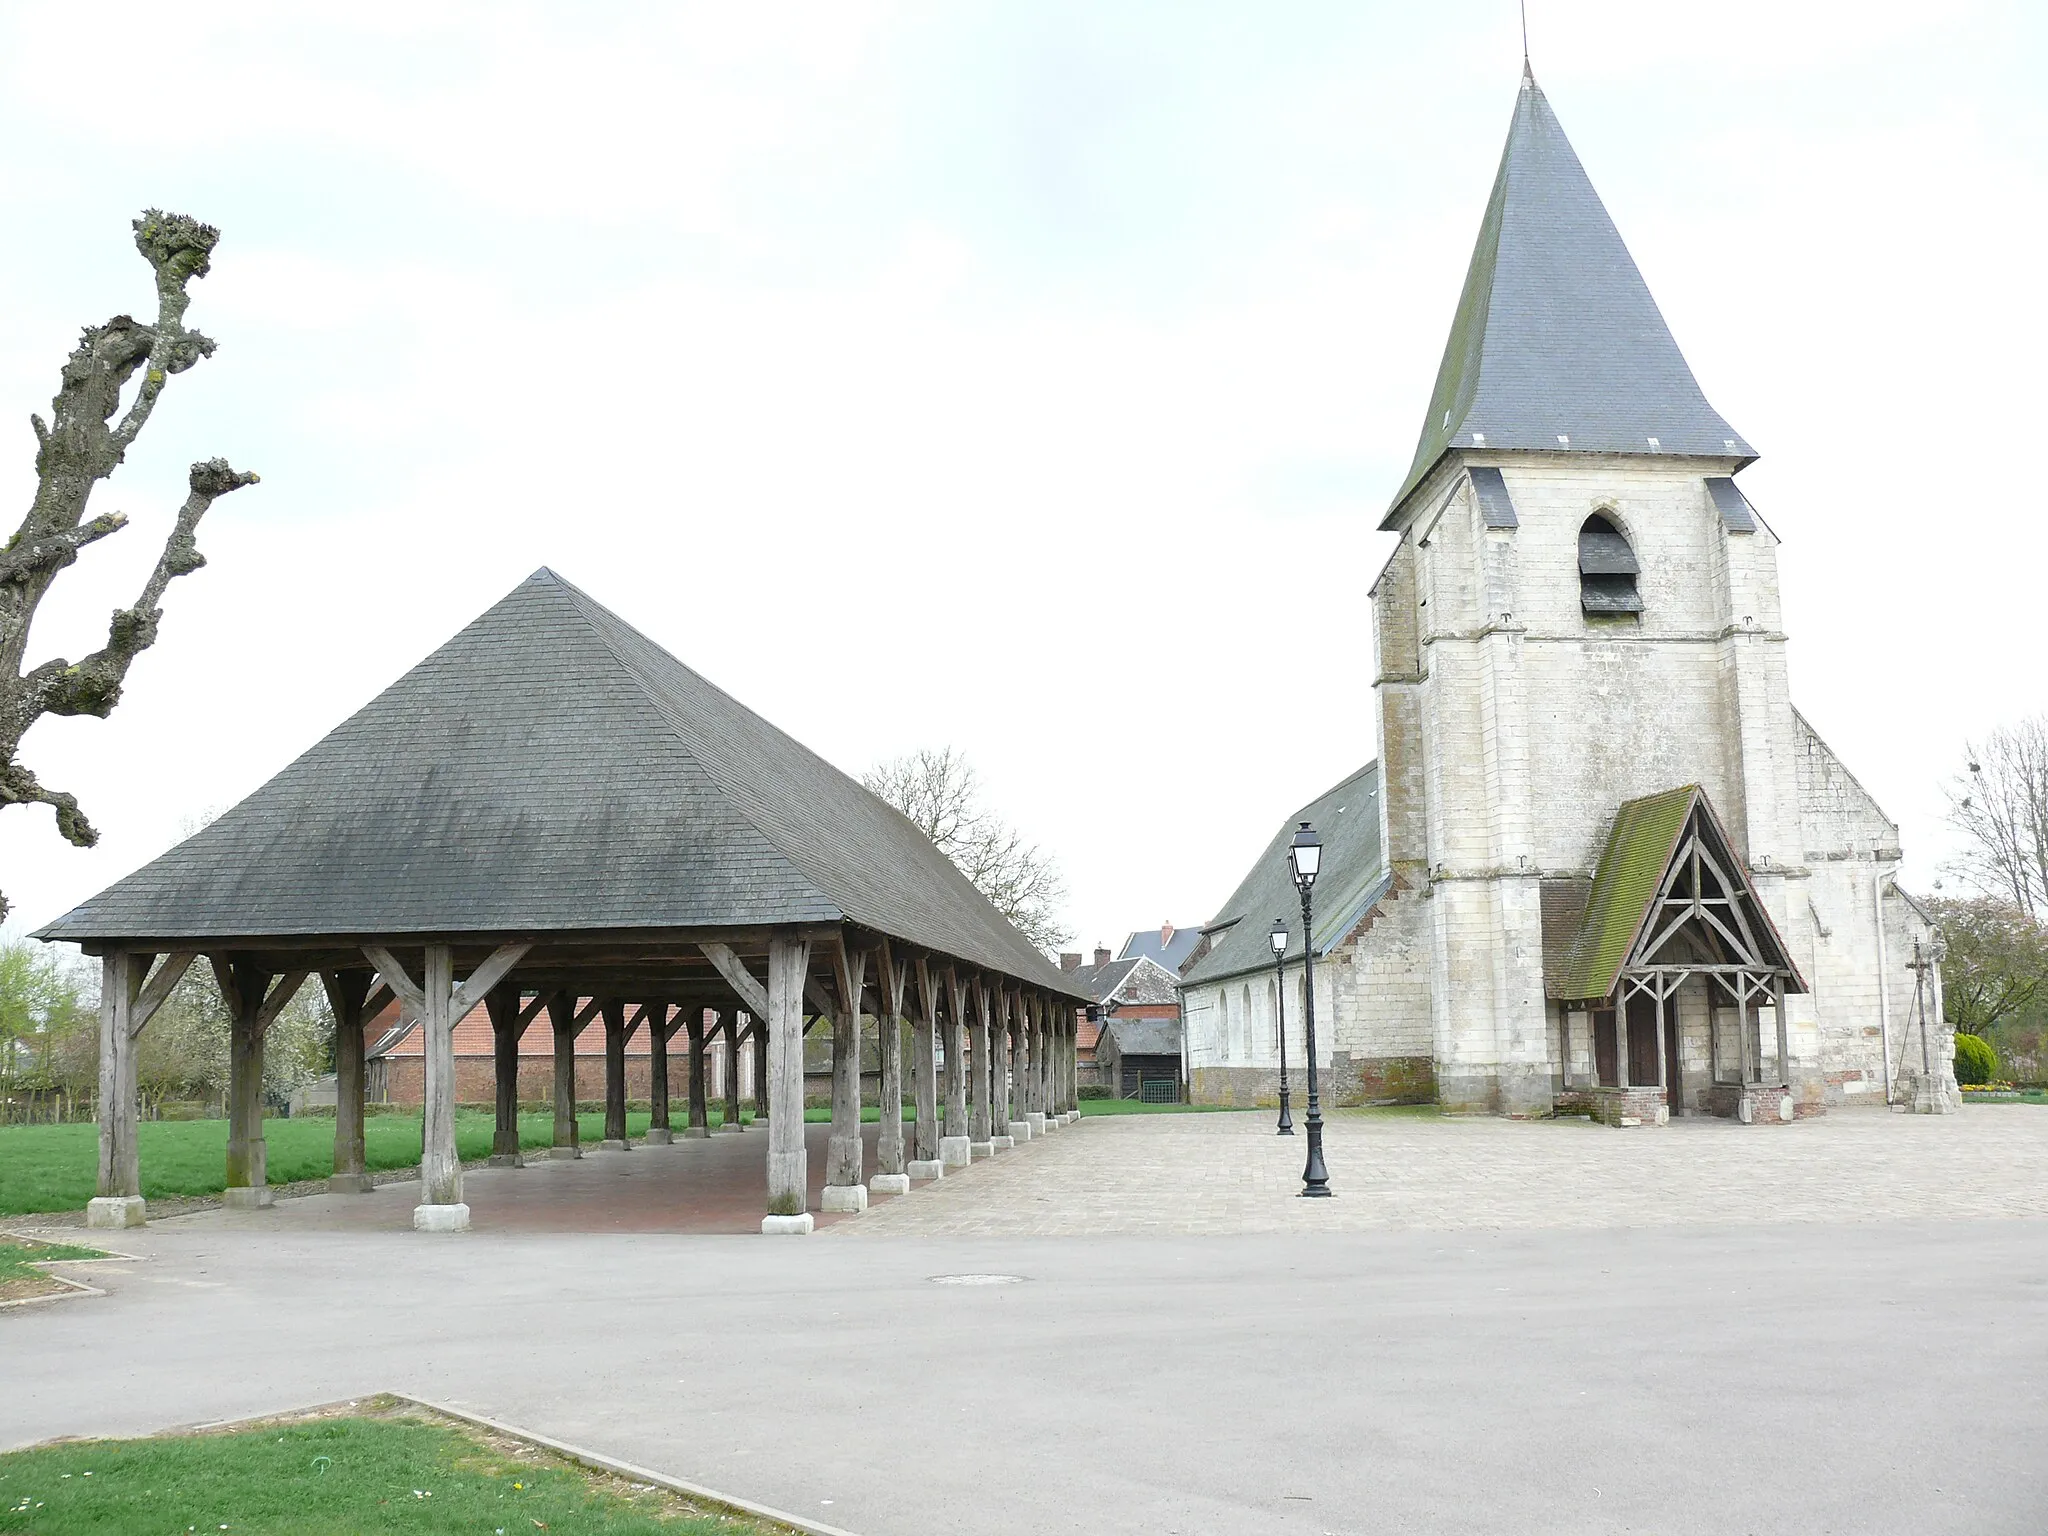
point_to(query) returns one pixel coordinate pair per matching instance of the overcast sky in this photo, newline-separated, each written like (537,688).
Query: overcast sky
(1029,378)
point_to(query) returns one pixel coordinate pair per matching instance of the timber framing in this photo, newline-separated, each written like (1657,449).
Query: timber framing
(740,876)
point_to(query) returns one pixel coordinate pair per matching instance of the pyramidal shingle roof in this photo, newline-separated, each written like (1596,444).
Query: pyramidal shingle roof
(550,768)
(1556,335)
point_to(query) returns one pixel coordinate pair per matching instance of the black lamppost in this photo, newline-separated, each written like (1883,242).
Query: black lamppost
(1279,942)
(1305,855)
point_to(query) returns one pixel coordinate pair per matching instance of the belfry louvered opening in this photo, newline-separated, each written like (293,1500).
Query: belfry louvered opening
(1607,570)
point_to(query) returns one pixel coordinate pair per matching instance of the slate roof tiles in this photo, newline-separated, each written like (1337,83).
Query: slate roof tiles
(550,768)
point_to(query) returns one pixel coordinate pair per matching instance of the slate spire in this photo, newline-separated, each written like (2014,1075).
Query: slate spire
(1557,344)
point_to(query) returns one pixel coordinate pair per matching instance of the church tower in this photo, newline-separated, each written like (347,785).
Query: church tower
(1582,610)
(1601,861)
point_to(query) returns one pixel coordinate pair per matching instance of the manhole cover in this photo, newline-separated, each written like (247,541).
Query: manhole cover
(977,1279)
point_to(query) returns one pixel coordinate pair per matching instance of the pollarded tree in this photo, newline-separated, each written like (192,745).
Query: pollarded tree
(81,445)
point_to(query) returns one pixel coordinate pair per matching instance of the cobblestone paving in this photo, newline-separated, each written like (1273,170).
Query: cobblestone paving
(1228,1173)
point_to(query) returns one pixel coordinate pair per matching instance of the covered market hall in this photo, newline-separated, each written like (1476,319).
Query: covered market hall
(455,844)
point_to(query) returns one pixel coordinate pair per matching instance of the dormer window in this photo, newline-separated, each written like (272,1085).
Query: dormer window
(1607,570)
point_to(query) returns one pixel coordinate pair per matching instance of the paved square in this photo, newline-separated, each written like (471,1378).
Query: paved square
(1701,1329)
(1227,1173)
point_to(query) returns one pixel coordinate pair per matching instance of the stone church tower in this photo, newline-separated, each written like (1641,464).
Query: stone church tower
(1600,861)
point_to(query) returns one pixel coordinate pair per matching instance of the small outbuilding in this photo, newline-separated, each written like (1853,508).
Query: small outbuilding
(1140,1059)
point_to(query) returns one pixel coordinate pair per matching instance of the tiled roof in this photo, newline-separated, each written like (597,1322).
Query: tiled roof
(1144,1037)
(1171,953)
(551,769)
(1639,849)
(1353,876)
(1557,344)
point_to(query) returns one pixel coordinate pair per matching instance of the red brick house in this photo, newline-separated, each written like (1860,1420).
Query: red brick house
(1134,988)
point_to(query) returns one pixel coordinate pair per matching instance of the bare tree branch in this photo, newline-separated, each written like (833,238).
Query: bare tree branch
(75,450)
(2000,805)
(941,793)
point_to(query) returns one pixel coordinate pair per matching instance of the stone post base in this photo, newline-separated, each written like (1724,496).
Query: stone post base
(565,1154)
(953,1151)
(1037,1122)
(733,1125)
(659,1136)
(981,1149)
(1020,1130)
(360,1184)
(889,1184)
(110,1213)
(844,1197)
(926,1168)
(440,1218)
(698,1132)
(1073,1115)
(614,1146)
(251,1197)
(1052,1122)
(787,1226)
(498,1160)
(1002,1143)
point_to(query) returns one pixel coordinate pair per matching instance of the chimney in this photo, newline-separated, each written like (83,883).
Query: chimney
(1165,934)
(1070,962)
(1101,955)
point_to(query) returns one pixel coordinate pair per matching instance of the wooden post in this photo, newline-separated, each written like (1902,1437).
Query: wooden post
(731,1120)
(891,976)
(502,1004)
(1664,1068)
(119,1202)
(700,1108)
(126,1005)
(997,1008)
(789,961)
(614,1012)
(658,1030)
(759,1035)
(925,1079)
(844,1190)
(241,989)
(956,1138)
(440,1207)
(1621,1053)
(1784,1032)
(562,1016)
(347,992)
(978,1118)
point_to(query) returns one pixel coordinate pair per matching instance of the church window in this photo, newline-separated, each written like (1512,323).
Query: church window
(1607,570)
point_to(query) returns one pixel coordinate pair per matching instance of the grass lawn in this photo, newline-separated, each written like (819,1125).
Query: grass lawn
(55,1167)
(19,1278)
(378,1469)
(1134,1107)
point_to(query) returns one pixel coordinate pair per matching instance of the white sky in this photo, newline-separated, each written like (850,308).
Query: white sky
(1025,377)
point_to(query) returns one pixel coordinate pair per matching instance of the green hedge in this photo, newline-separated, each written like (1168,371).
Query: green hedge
(1976,1061)
(1092,1091)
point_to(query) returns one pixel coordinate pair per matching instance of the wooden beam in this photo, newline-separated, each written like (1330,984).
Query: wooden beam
(281,994)
(470,992)
(411,995)
(168,974)
(738,977)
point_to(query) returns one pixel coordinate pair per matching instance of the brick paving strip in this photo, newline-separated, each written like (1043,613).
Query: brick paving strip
(1228,1174)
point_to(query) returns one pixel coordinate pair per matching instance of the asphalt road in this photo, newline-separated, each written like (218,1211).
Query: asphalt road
(1808,1378)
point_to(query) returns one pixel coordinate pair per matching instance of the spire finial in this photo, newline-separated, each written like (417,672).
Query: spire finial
(1525,41)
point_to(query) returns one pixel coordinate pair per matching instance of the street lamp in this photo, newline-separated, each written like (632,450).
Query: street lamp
(1305,857)
(1278,938)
